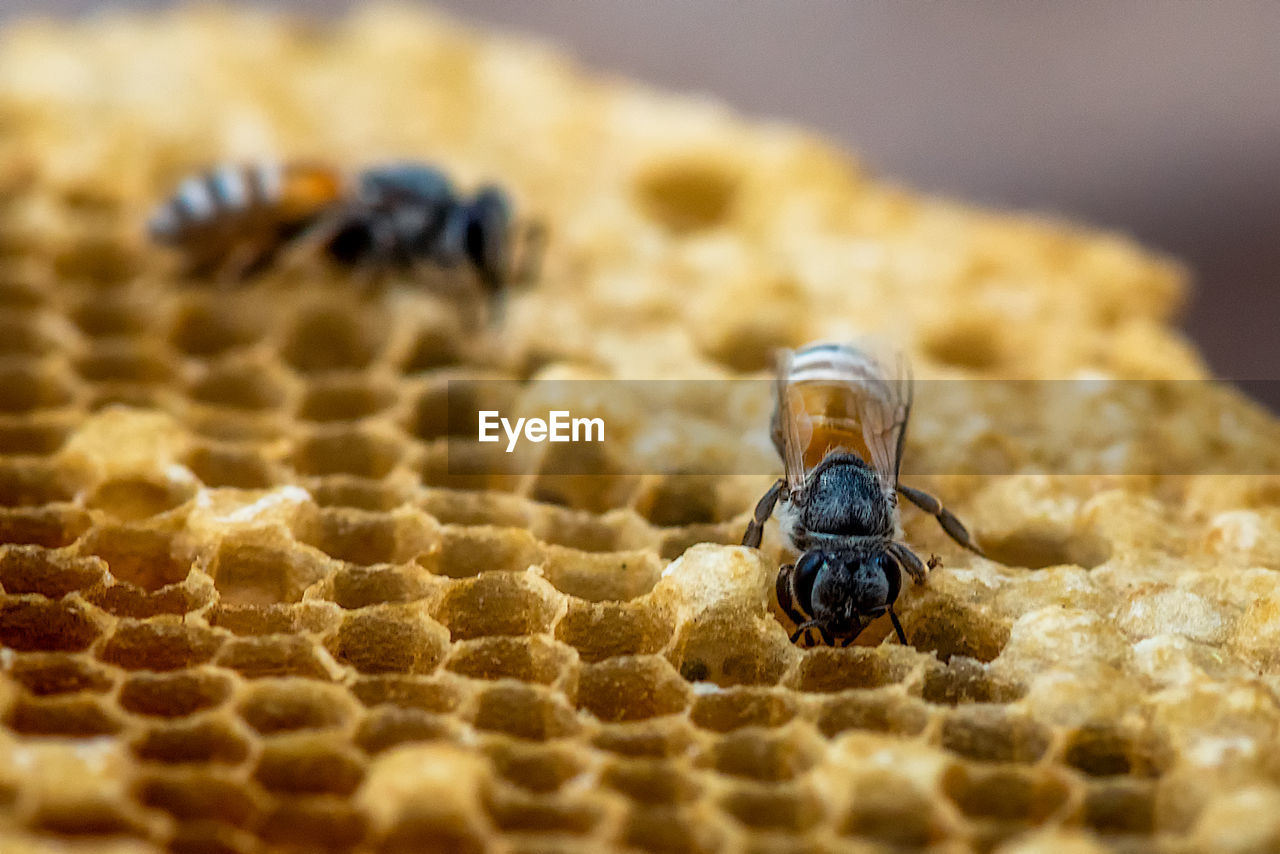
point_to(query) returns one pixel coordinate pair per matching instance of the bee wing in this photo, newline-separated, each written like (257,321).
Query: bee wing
(884,405)
(791,428)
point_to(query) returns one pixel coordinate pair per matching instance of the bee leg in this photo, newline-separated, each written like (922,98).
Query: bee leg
(764,509)
(785,600)
(897,627)
(826,636)
(909,562)
(954,528)
(803,629)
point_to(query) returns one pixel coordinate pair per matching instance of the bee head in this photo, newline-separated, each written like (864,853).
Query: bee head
(843,585)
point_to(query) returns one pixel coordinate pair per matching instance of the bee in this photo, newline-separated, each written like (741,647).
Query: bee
(839,423)
(235,220)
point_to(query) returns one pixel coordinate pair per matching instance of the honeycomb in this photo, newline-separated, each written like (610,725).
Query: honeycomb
(252,602)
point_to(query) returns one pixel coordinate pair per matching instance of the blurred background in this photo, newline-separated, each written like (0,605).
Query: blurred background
(1159,118)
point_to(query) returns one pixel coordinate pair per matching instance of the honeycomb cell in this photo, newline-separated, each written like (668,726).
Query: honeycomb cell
(358,493)
(680,501)
(246,573)
(324,339)
(360,586)
(829,669)
(463,465)
(883,710)
(1040,548)
(963,680)
(28,388)
(145,558)
(947,627)
(191,795)
(535,767)
(137,499)
(44,673)
(272,706)
(524,711)
(346,451)
(411,692)
(364,538)
(48,527)
(664,828)
(608,629)
(991,734)
(687,193)
(389,726)
(126,600)
(734,708)
(22,334)
(435,346)
(110,317)
(515,811)
(344,399)
(534,659)
(73,716)
(273,619)
(602,577)
(32,569)
(893,812)
(651,781)
(226,466)
(161,646)
(309,764)
(1005,793)
(583,532)
(274,655)
(783,809)
(458,507)
(769,756)
(1102,750)
(499,603)
(447,405)
(33,623)
(390,639)
(1120,806)
(205,328)
(632,688)
(653,739)
(33,437)
(313,823)
(174,695)
(242,387)
(123,362)
(463,552)
(100,260)
(198,740)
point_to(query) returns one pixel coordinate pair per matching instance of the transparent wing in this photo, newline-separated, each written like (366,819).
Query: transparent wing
(884,405)
(787,431)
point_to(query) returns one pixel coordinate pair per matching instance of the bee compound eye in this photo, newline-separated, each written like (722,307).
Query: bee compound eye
(806,575)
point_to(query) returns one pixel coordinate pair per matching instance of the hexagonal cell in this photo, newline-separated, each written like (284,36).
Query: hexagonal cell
(174,695)
(789,809)
(74,716)
(515,811)
(721,647)
(447,406)
(87,817)
(602,576)
(828,669)
(101,260)
(309,764)
(532,659)
(328,338)
(389,726)
(657,738)
(364,538)
(676,541)
(45,673)
(1005,793)
(534,767)
(458,507)
(145,558)
(135,499)
(48,527)
(949,627)
(734,708)
(883,710)
(679,500)
(632,688)
(123,599)
(241,427)
(609,629)
(499,603)
(250,620)
(346,451)
(313,823)
(360,586)
(1120,806)
(32,624)
(204,739)
(226,466)
(892,811)
(191,795)
(245,387)
(34,483)
(991,734)
(651,781)
(23,334)
(246,573)
(345,399)
(584,532)
(390,639)
(272,706)
(107,317)
(686,193)
(664,828)
(210,327)
(525,711)
(27,388)
(33,569)
(33,436)
(765,755)
(463,552)
(358,493)
(1041,547)
(412,692)
(963,680)
(1105,750)
(161,646)
(273,655)
(123,362)
(596,485)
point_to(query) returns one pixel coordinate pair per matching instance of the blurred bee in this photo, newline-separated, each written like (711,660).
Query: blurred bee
(839,424)
(236,220)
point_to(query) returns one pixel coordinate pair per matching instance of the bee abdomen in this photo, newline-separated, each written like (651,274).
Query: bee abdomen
(213,198)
